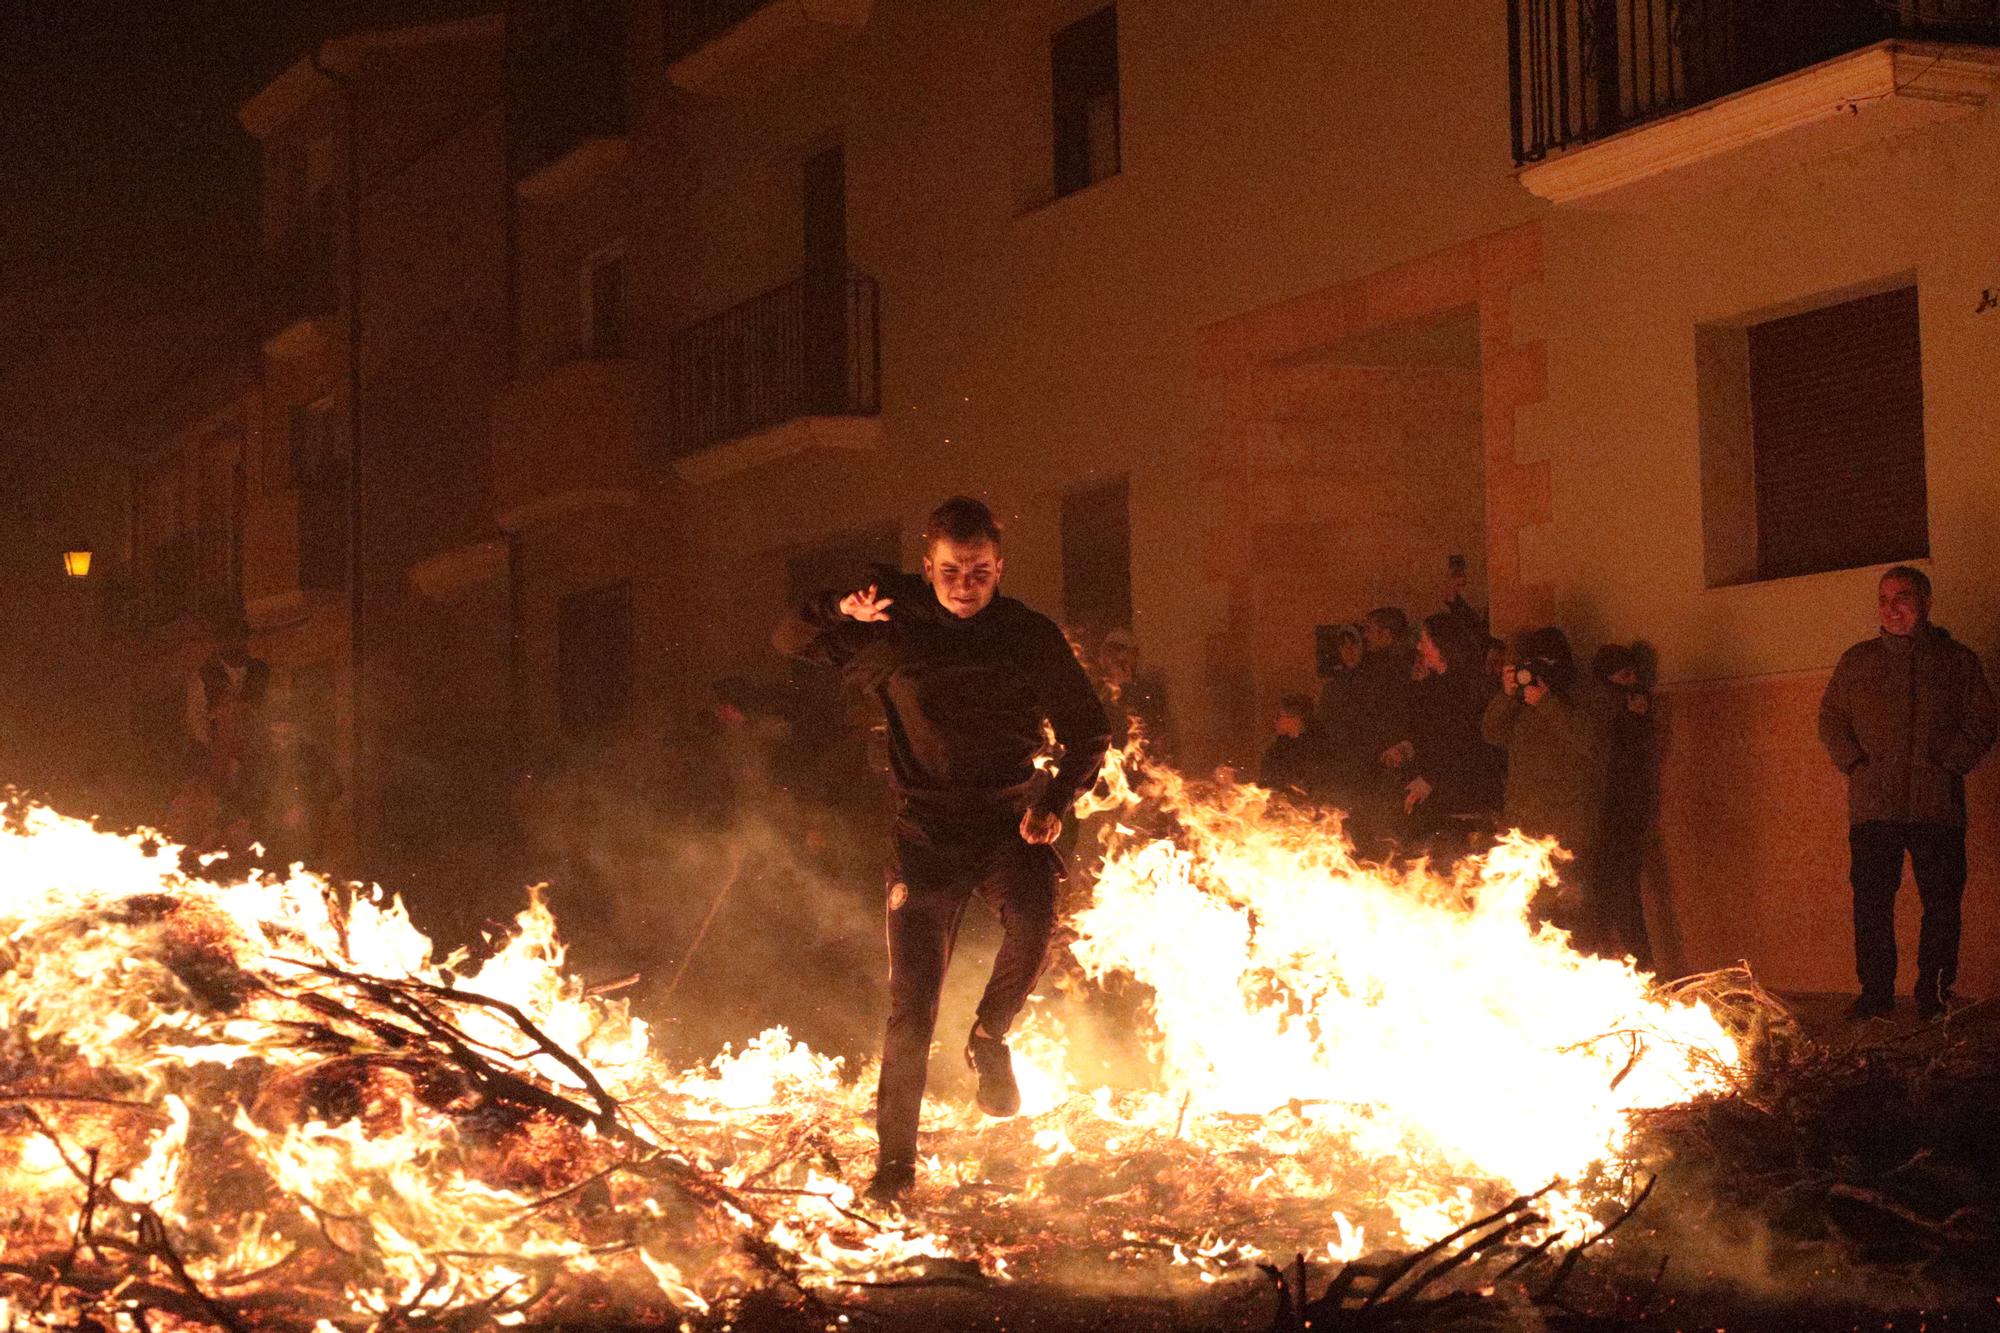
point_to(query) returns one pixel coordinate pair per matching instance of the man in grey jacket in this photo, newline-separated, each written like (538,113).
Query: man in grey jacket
(1906,716)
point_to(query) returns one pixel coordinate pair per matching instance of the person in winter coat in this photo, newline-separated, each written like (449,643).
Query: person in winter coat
(1555,766)
(1630,783)
(1339,704)
(1371,757)
(1454,777)
(1907,714)
(1298,763)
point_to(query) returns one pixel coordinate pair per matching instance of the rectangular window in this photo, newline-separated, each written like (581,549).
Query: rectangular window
(1083,65)
(1837,432)
(604,304)
(594,659)
(1812,440)
(1097,558)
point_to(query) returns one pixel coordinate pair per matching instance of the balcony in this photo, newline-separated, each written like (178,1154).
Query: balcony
(301,297)
(722,46)
(796,368)
(565,440)
(1614,99)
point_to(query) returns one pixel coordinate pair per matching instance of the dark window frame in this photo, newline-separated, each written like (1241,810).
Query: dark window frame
(1084,74)
(1837,436)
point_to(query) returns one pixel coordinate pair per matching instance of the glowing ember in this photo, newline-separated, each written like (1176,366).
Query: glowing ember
(270,1101)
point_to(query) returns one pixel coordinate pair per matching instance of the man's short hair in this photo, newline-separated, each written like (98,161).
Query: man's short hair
(1295,705)
(1916,578)
(1390,620)
(961,519)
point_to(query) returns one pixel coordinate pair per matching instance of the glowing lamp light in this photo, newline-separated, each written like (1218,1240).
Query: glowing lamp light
(76,563)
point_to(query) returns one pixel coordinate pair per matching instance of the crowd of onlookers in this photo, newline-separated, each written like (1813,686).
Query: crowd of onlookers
(1427,737)
(1433,737)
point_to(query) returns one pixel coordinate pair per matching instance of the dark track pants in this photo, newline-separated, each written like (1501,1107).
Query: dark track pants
(928,893)
(1937,858)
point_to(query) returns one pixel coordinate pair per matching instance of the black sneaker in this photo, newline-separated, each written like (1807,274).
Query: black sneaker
(1867,1006)
(892,1180)
(989,1057)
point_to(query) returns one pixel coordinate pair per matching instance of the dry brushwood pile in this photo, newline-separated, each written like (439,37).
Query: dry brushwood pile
(1867,1163)
(259,1102)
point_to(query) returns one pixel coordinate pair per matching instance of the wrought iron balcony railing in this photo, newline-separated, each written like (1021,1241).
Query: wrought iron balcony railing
(693,24)
(1584,69)
(812,347)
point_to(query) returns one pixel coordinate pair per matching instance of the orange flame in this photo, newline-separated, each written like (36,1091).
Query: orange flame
(279,1087)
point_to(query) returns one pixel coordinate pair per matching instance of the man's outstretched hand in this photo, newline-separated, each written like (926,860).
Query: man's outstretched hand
(1040,827)
(866,606)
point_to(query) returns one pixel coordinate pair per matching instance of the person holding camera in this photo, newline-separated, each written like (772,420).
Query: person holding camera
(1555,768)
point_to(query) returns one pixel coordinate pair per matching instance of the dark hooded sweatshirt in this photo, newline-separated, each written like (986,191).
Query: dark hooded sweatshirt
(965,701)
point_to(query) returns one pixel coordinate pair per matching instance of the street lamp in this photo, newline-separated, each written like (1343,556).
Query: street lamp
(76,563)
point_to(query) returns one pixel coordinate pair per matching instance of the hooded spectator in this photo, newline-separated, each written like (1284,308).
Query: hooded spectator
(1627,711)
(1555,766)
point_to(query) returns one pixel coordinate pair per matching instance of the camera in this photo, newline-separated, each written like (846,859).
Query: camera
(1529,673)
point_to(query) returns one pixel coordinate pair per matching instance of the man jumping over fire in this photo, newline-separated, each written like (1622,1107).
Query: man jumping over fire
(967,679)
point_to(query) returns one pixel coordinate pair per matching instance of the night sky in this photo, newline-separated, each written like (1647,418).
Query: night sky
(127,215)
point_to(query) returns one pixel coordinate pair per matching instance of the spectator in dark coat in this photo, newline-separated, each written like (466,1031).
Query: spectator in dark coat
(1339,692)
(1555,766)
(1906,716)
(1298,762)
(1629,799)
(1455,777)
(1370,752)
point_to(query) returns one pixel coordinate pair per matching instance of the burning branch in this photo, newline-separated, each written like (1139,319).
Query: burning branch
(1389,1294)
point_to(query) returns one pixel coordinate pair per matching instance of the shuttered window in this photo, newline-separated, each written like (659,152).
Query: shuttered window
(1837,434)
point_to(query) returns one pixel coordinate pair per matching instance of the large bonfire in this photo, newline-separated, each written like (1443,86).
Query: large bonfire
(230,1101)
